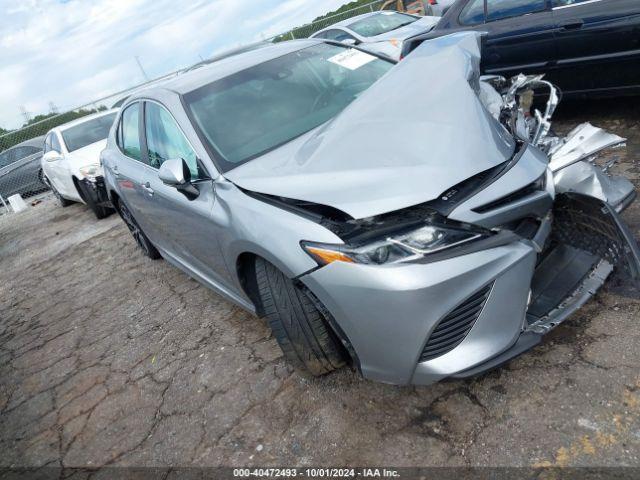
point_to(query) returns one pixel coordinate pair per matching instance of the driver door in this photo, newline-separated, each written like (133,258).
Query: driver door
(185,224)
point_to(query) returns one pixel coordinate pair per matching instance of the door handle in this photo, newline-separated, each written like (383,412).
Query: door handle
(572,25)
(147,188)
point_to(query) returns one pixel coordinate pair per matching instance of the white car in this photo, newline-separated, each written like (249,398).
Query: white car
(379,32)
(71,161)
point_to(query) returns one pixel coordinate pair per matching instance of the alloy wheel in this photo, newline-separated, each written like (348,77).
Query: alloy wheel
(133,228)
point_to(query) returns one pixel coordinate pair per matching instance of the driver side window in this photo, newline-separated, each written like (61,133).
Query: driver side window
(165,140)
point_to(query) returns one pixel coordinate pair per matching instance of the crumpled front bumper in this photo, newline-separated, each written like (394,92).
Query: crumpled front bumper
(387,314)
(97,190)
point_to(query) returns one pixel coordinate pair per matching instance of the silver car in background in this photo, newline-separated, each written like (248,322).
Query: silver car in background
(413,237)
(379,32)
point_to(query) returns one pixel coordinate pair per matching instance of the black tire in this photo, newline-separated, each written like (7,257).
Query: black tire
(299,327)
(99,211)
(141,239)
(63,201)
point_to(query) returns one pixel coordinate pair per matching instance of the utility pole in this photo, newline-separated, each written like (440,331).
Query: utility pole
(144,74)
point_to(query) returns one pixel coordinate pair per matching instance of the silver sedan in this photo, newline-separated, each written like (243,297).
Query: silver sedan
(412,237)
(379,32)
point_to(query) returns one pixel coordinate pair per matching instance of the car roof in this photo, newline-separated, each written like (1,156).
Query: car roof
(33,142)
(86,118)
(199,77)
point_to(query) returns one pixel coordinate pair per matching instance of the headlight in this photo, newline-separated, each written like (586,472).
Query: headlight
(91,171)
(403,246)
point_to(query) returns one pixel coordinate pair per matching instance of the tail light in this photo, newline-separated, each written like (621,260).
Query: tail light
(433,2)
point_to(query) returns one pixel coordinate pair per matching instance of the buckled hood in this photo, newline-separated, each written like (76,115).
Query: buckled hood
(415,133)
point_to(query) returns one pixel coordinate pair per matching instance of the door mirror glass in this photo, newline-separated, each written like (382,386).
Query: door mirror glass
(172,172)
(51,156)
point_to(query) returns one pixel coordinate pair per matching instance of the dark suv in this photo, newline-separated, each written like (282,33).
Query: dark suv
(583,46)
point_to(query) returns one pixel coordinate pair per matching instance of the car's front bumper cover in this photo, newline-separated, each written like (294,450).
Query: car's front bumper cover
(387,314)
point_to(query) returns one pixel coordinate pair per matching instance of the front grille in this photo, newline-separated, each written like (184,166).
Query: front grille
(453,328)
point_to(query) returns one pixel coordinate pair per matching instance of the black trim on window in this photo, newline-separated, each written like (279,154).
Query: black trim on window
(142,134)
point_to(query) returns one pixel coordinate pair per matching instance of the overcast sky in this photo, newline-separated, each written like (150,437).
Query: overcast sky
(70,52)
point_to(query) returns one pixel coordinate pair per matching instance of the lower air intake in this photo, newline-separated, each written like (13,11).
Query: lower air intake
(455,326)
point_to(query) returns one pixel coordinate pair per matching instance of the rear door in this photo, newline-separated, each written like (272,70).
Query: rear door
(598,45)
(130,169)
(520,35)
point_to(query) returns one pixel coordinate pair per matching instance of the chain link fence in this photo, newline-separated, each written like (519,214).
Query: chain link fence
(21,150)
(309,29)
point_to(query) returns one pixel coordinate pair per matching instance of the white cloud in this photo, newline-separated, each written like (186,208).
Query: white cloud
(72,52)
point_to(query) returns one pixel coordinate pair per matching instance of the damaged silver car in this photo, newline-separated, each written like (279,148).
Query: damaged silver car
(415,237)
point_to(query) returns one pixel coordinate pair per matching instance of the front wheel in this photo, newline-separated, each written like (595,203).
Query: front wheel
(299,327)
(141,239)
(63,201)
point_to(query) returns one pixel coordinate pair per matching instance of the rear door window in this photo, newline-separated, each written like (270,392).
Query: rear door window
(130,134)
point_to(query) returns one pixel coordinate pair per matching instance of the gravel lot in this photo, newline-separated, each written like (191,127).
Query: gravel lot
(108,358)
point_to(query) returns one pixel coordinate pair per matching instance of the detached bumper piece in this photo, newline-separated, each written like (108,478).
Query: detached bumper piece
(588,241)
(97,190)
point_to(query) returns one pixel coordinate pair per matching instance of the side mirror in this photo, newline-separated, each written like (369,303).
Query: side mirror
(51,156)
(172,172)
(350,41)
(175,173)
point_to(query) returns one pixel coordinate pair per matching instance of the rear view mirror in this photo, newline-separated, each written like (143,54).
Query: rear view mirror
(52,156)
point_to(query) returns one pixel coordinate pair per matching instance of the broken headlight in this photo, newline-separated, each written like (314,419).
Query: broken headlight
(410,244)
(91,171)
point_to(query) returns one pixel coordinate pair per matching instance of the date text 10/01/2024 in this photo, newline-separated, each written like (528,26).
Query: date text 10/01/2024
(316,472)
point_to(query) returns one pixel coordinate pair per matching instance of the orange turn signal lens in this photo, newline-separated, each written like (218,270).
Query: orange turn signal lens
(325,257)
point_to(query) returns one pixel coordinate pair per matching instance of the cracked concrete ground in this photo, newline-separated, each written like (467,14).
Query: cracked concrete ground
(108,358)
